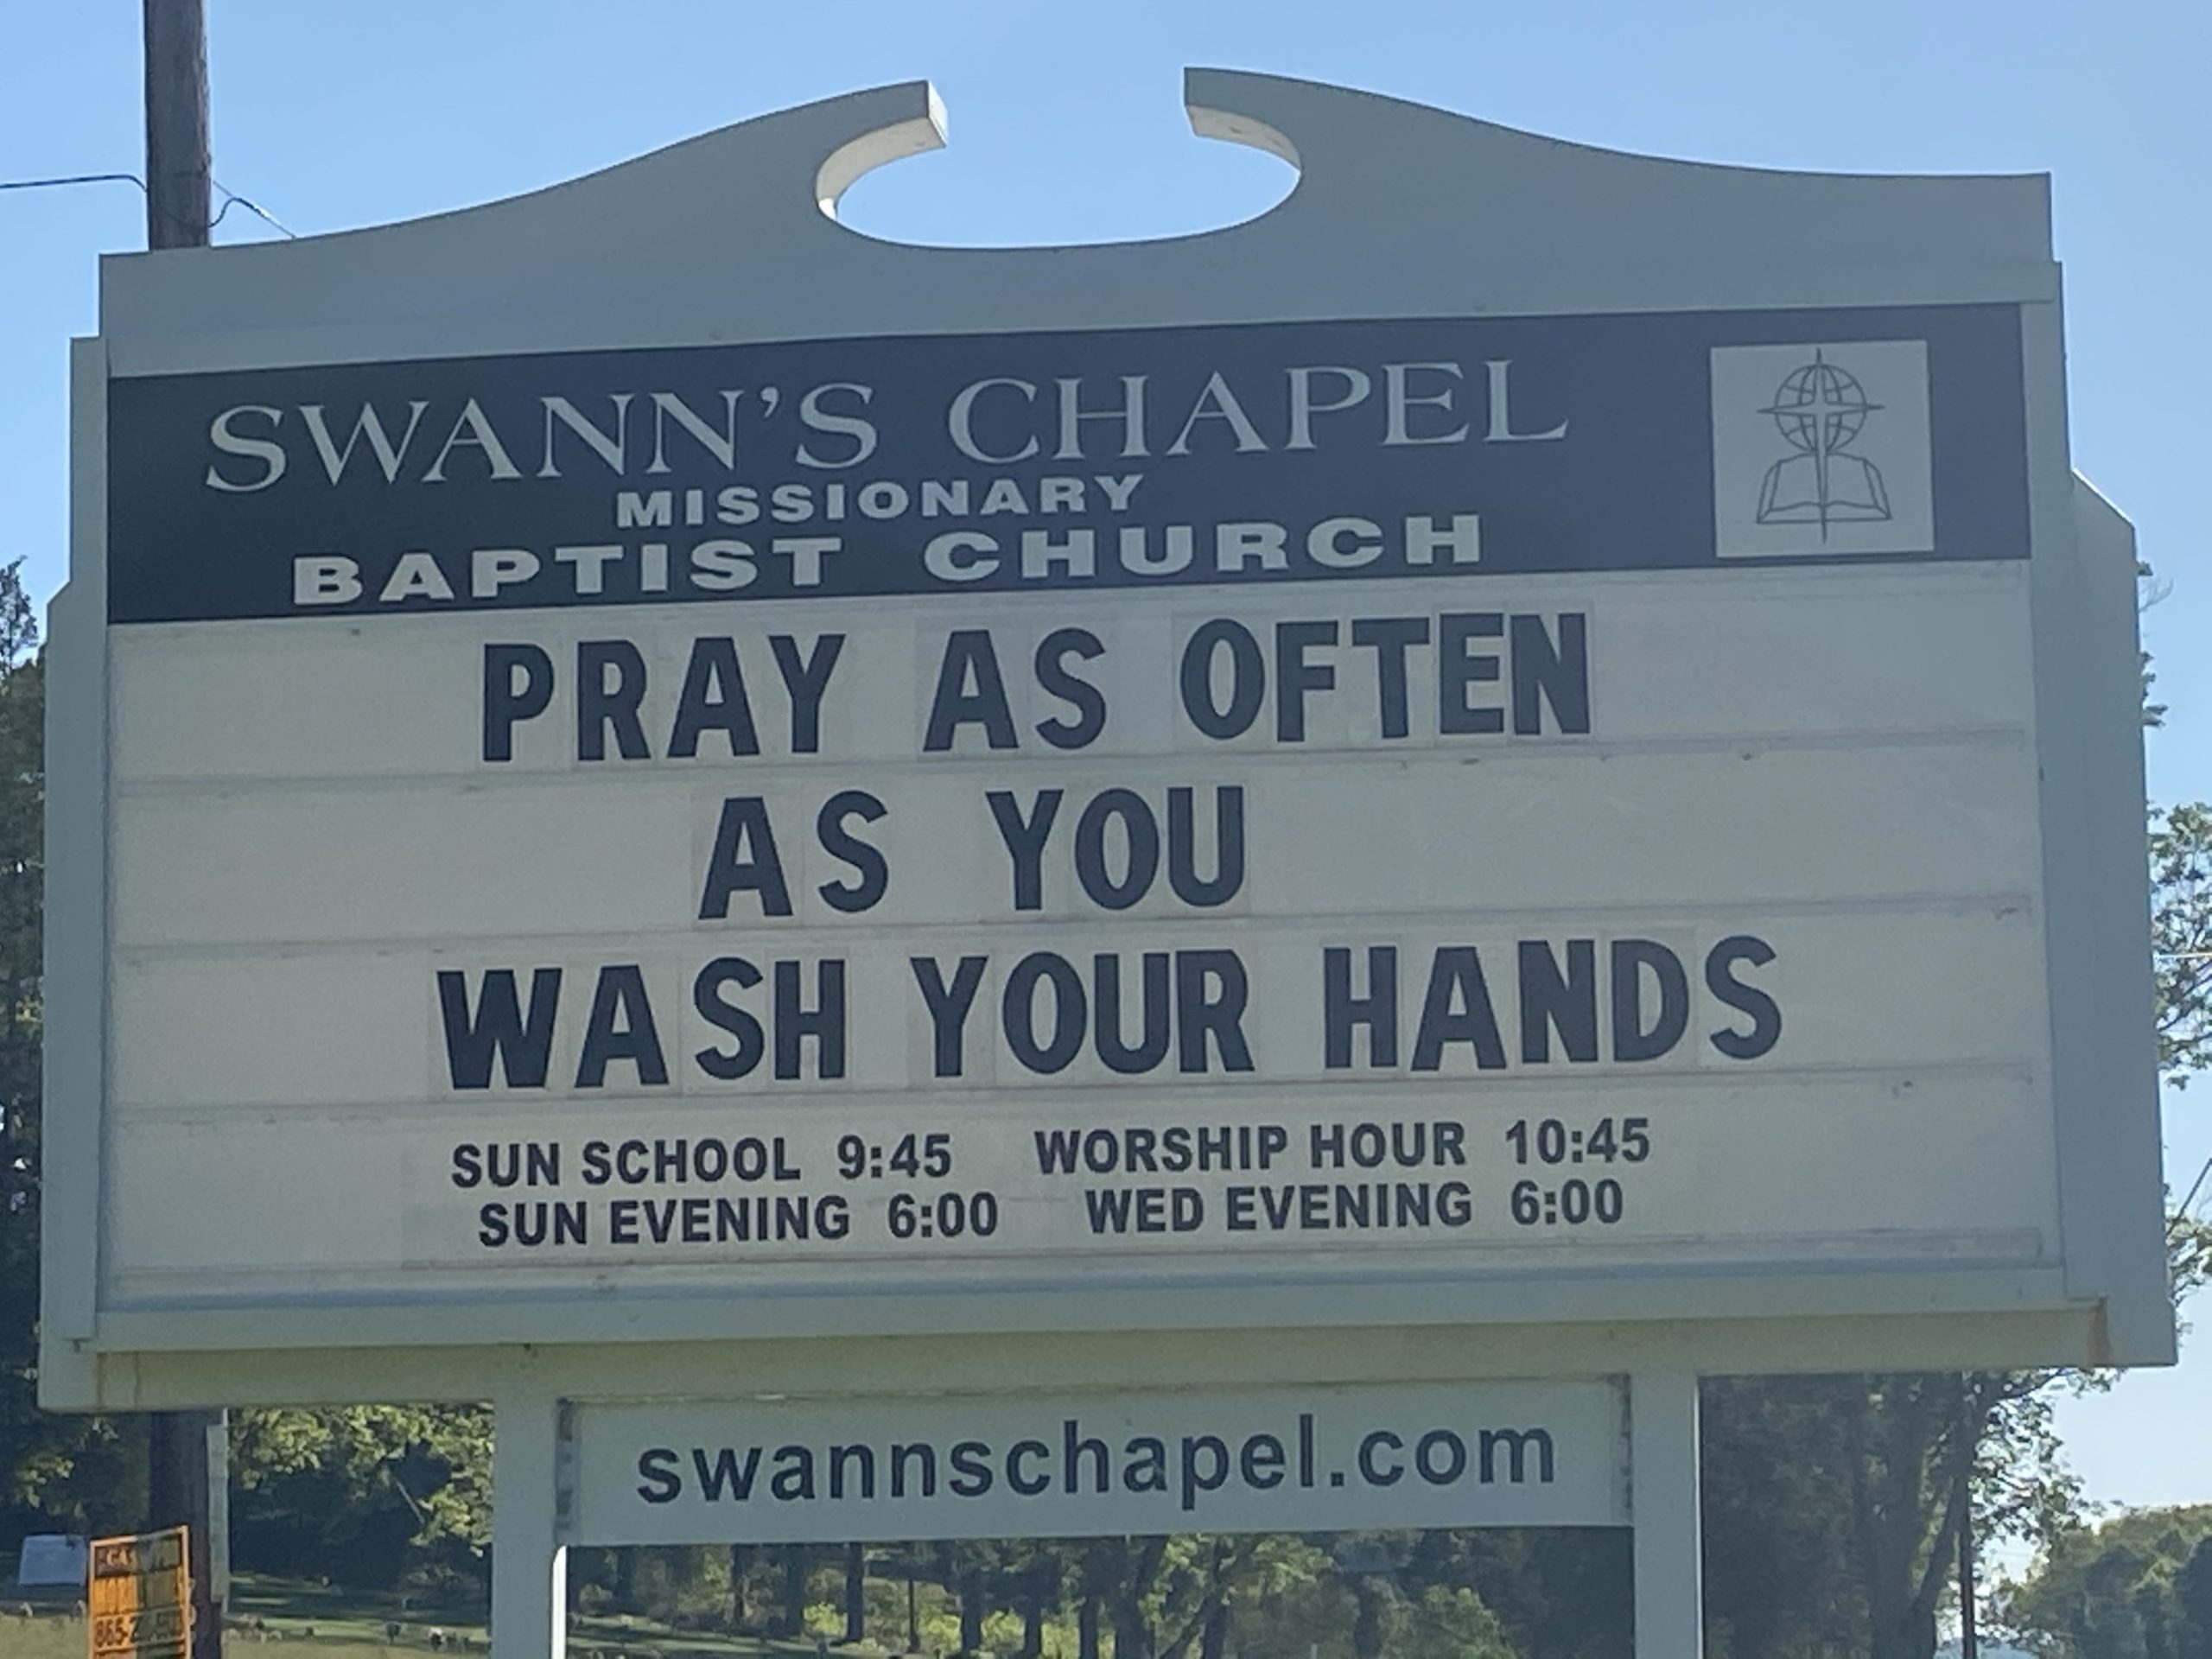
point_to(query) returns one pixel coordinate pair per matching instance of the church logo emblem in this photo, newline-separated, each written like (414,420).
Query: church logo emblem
(1821,449)
(1821,410)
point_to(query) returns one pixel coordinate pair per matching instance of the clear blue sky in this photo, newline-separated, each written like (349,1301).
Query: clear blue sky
(1066,125)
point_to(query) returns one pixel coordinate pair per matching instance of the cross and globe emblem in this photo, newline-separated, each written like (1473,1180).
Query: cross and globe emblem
(1820,410)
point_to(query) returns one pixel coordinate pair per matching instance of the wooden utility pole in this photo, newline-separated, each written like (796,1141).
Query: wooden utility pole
(185,1453)
(183,1467)
(179,189)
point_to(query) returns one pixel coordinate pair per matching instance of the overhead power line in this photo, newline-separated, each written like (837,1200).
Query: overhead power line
(231,197)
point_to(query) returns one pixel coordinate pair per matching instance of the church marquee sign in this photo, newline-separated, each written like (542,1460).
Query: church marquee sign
(618,815)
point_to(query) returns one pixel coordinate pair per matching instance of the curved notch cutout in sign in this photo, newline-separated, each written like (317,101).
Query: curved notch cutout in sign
(1229,181)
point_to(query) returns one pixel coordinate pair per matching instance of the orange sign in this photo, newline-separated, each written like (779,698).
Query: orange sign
(142,1597)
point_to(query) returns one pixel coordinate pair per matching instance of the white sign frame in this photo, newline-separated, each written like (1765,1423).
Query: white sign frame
(644,266)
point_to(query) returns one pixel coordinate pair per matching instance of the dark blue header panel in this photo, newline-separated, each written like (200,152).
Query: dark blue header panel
(1038,462)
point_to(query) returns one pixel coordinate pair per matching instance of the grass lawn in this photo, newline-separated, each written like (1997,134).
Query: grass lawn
(63,1637)
(42,1638)
(302,1621)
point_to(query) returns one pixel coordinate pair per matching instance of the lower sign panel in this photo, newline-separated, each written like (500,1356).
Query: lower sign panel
(1520,1454)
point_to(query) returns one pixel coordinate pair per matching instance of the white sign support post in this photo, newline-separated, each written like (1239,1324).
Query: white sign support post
(530,1559)
(1512,771)
(1665,1496)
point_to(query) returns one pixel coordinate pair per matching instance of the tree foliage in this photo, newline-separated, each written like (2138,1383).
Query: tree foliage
(1833,1503)
(2140,1587)
(2181,923)
(373,1495)
(75,1472)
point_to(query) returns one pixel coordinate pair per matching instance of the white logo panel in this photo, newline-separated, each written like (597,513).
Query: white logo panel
(1821,449)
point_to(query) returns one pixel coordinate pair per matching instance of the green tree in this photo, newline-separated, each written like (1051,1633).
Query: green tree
(369,1496)
(1448,1623)
(2193,1603)
(78,1474)
(2128,1589)
(2181,928)
(1209,1580)
(1779,1552)
(1557,1593)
